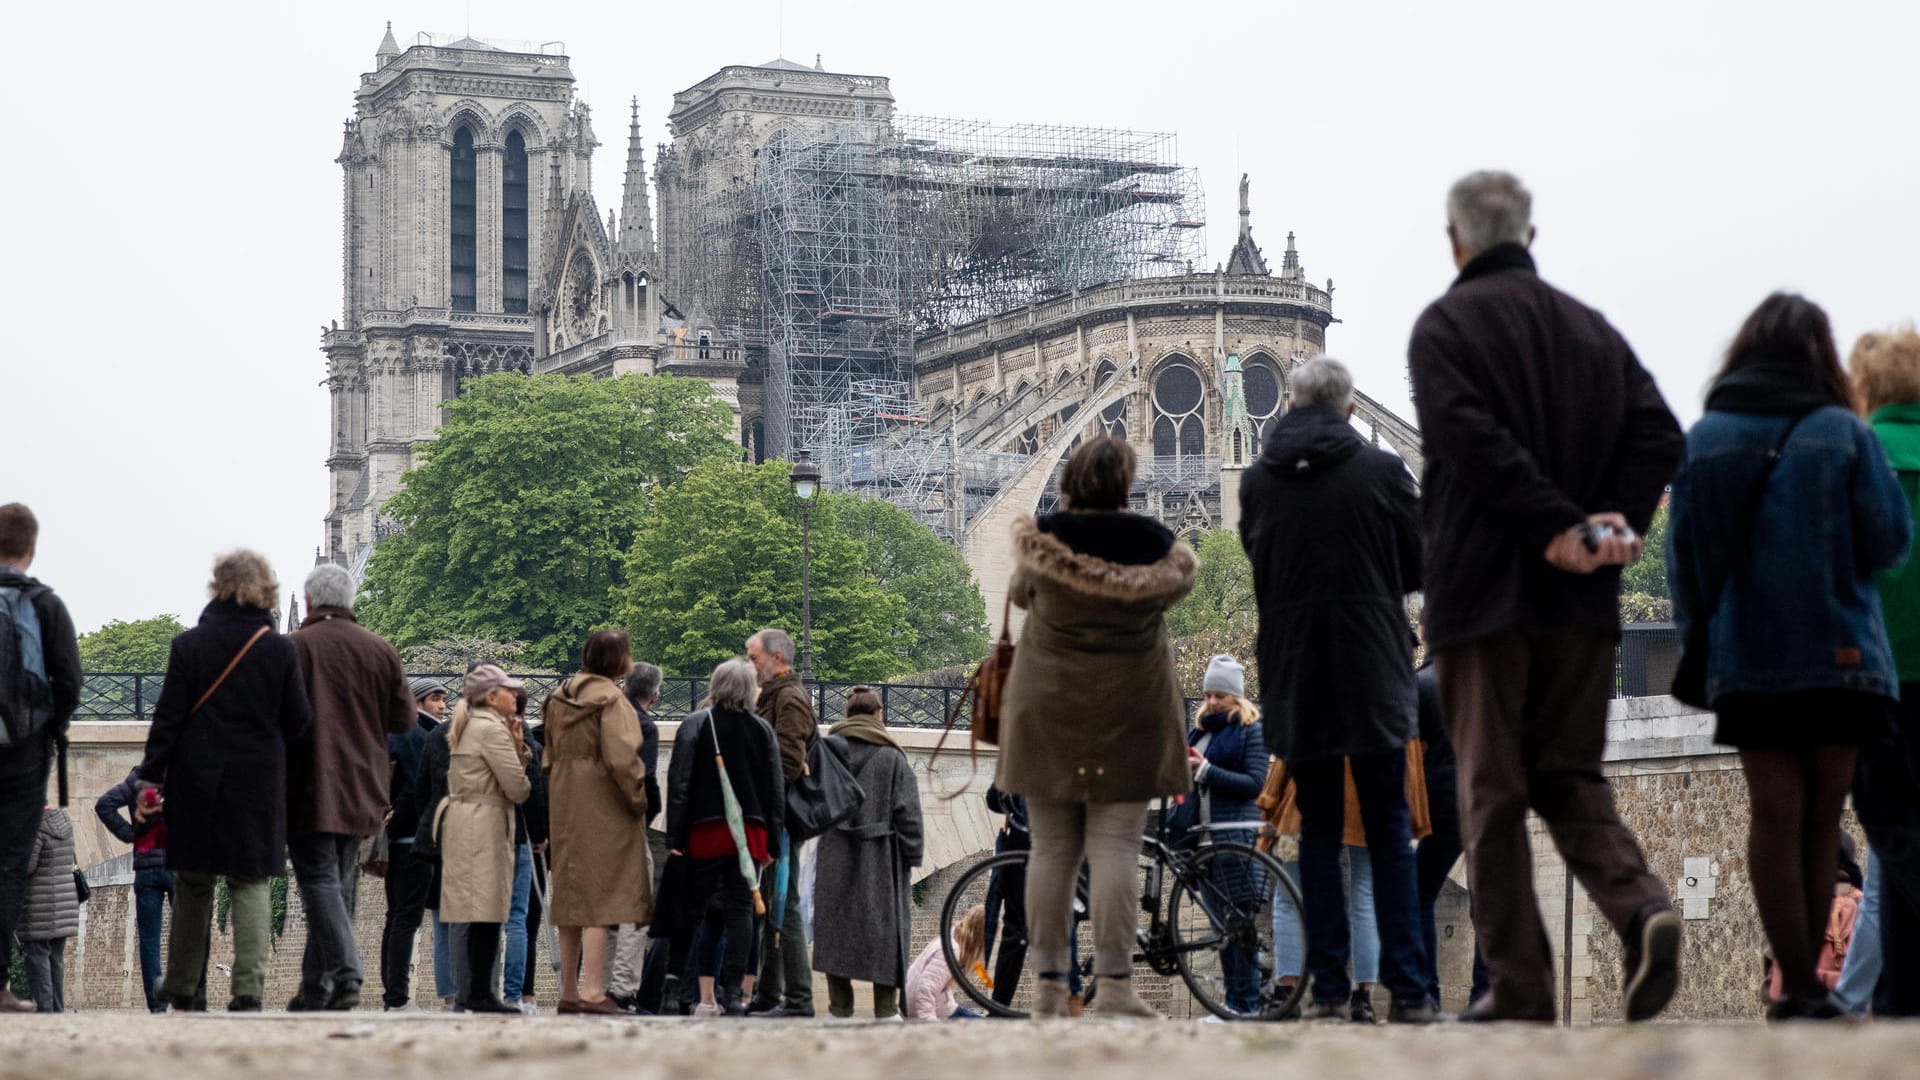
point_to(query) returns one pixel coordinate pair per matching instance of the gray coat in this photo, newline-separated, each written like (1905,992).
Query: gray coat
(53,907)
(863,889)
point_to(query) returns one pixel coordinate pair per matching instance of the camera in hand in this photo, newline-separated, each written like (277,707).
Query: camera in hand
(1591,535)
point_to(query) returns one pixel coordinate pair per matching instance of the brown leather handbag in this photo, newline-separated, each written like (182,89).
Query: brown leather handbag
(982,695)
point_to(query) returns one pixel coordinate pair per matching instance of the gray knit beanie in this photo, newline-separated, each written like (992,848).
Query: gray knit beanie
(423,685)
(1225,675)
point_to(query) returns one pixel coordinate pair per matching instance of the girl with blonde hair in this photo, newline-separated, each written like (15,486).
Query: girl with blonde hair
(930,982)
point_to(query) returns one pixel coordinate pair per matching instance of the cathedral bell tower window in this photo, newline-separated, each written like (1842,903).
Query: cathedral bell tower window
(465,260)
(513,226)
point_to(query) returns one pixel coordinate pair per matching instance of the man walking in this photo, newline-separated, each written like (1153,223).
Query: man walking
(1329,525)
(39,689)
(337,791)
(1547,448)
(409,877)
(785,988)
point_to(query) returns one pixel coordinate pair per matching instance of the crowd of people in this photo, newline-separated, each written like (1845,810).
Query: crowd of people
(1547,447)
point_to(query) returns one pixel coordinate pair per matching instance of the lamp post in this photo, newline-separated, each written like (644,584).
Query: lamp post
(806,482)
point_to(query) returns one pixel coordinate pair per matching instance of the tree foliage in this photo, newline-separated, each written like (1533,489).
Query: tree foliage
(718,557)
(138,646)
(946,615)
(1219,615)
(1647,575)
(519,517)
(449,655)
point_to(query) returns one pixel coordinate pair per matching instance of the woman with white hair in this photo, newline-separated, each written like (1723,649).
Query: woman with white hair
(216,768)
(725,734)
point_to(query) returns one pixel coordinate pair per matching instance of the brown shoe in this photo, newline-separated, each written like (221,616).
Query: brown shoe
(9,1003)
(603,1007)
(568,1007)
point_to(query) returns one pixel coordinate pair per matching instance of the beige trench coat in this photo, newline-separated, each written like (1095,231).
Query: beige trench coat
(486,779)
(596,806)
(1093,712)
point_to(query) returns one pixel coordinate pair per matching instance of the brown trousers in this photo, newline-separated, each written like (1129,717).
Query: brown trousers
(1527,713)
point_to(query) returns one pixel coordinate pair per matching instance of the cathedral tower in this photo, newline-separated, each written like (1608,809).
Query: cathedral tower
(446,164)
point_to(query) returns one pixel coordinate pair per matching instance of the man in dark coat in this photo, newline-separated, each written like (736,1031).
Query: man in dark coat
(409,877)
(1329,524)
(785,988)
(1547,448)
(339,787)
(24,766)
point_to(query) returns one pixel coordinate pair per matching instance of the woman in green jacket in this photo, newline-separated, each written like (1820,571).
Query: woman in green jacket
(1886,378)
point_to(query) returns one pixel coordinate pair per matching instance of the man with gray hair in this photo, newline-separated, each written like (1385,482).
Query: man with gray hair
(1329,526)
(1547,448)
(785,988)
(338,784)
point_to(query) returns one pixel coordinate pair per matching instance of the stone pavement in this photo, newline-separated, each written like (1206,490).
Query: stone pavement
(118,1046)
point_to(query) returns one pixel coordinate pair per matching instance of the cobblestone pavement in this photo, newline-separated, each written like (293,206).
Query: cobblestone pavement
(215,1047)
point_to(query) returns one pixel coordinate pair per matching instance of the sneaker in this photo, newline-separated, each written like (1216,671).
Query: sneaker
(1652,963)
(708,1010)
(528,1007)
(244,1003)
(407,1007)
(491,1005)
(302,1003)
(1360,1008)
(345,999)
(1413,1012)
(780,1012)
(9,1003)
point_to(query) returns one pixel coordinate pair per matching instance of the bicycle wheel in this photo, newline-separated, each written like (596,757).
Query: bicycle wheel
(1220,918)
(986,883)
(1000,983)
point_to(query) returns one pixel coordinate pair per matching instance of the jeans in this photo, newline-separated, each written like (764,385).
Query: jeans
(1380,782)
(23,793)
(251,917)
(516,961)
(408,885)
(1107,837)
(152,889)
(534,913)
(47,972)
(1290,952)
(444,985)
(1861,972)
(327,868)
(786,976)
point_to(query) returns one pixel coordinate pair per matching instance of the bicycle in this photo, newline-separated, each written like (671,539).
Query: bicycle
(1215,929)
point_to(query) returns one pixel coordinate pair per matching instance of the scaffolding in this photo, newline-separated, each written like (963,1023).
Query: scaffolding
(851,243)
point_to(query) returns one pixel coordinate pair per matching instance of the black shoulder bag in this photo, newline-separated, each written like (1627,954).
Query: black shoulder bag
(825,793)
(1690,676)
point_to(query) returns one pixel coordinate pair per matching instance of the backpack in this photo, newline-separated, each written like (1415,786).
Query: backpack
(26,698)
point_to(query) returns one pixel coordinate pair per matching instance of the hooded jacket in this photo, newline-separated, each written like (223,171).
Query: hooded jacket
(53,905)
(1898,429)
(596,806)
(1330,525)
(1092,711)
(149,838)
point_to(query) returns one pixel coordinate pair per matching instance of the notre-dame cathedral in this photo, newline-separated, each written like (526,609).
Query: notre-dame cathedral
(936,310)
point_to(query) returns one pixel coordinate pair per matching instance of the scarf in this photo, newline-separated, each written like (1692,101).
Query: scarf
(866,728)
(1214,723)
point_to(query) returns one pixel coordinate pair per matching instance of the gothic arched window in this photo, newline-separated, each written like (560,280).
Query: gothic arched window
(1113,418)
(1265,393)
(465,255)
(513,226)
(1179,431)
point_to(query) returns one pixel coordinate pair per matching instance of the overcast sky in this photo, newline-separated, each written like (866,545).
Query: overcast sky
(174,209)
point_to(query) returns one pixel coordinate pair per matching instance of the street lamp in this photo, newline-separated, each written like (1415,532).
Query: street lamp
(806,482)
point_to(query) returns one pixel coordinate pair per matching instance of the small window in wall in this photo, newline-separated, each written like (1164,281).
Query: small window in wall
(513,226)
(465,261)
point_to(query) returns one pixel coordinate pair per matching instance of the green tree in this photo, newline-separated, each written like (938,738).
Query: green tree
(717,558)
(138,646)
(450,655)
(1647,575)
(519,516)
(945,611)
(1222,596)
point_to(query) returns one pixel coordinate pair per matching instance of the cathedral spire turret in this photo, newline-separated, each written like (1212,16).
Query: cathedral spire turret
(389,49)
(1290,262)
(635,244)
(1246,258)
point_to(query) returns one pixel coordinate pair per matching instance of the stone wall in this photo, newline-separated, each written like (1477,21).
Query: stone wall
(1682,795)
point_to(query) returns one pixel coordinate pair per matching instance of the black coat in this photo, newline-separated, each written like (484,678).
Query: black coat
(753,765)
(225,767)
(1330,526)
(407,753)
(61,652)
(430,786)
(1534,413)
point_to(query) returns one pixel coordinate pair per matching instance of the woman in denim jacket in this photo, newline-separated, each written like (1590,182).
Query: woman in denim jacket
(1799,673)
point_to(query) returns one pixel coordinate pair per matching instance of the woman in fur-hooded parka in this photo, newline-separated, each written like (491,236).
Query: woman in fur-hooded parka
(1093,712)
